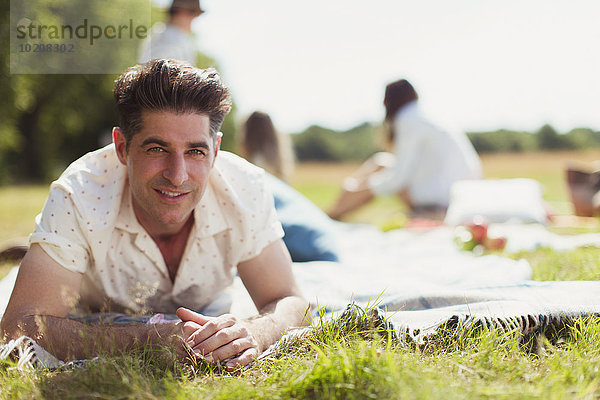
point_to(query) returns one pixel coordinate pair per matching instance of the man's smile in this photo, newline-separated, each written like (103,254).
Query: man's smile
(171,195)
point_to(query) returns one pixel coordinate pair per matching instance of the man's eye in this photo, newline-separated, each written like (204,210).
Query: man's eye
(197,152)
(155,150)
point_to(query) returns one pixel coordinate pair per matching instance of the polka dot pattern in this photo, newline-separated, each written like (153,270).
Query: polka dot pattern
(91,228)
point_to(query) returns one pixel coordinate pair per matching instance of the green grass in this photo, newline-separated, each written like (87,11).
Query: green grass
(550,265)
(341,361)
(484,364)
(18,207)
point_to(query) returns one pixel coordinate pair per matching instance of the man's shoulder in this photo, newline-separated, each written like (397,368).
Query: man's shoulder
(94,182)
(231,166)
(238,200)
(99,167)
(235,176)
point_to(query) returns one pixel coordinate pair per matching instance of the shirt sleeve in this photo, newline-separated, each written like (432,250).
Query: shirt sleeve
(407,144)
(266,228)
(58,232)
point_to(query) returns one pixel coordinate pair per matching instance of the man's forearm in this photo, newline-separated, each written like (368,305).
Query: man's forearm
(275,318)
(69,339)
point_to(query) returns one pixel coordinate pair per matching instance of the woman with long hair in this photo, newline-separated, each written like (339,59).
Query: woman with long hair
(263,145)
(425,162)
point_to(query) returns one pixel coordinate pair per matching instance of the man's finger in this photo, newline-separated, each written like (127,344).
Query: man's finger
(189,328)
(213,335)
(186,314)
(233,348)
(244,359)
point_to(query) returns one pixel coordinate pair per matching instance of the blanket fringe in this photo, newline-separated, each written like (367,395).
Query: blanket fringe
(27,355)
(525,325)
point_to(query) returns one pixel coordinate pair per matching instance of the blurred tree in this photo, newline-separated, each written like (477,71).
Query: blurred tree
(314,144)
(49,120)
(502,141)
(582,138)
(9,136)
(322,144)
(549,139)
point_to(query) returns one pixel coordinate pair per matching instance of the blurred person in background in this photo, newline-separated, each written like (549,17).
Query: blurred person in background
(309,233)
(174,40)
(425,162)
(263,145)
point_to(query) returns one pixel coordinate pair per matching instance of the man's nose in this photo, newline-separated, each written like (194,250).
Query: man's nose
(176,170)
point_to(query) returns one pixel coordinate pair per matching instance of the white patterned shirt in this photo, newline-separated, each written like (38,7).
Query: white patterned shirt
(88,226)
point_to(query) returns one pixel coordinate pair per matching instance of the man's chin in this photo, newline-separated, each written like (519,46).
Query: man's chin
(178,219)
(171,221)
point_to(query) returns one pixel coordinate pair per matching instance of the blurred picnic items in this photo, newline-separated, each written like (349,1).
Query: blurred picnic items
(583,182)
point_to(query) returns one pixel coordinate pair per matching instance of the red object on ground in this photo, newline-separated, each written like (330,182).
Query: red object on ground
(497,243)
(478,231)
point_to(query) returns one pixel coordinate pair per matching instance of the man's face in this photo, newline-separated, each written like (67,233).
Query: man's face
(168,164)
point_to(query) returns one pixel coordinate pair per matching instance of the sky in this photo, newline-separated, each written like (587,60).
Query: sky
(477,65)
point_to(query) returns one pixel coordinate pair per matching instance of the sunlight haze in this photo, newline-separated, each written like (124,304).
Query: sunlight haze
(477,65)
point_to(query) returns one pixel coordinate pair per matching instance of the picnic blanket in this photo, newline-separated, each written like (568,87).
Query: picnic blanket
(420,281)
(410,263)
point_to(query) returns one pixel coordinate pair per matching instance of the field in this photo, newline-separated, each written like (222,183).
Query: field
(337,364)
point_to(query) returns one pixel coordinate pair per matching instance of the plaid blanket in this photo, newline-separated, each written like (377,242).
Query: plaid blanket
(528,308)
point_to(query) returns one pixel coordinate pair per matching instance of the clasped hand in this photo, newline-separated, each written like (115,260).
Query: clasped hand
(219,338)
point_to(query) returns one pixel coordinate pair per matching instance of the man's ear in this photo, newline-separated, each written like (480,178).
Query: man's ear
(120,144)
(217,145)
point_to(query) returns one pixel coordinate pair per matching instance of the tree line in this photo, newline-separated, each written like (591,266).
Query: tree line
(321,144)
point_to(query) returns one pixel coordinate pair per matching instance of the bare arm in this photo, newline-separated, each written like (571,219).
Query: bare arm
(271,284)
(45,293)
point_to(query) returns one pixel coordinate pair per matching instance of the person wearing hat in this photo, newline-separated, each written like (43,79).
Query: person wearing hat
(174,40)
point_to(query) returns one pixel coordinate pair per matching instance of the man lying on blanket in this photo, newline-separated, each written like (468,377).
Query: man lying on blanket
(157,222)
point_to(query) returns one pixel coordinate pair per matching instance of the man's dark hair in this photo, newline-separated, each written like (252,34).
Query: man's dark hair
(169,85)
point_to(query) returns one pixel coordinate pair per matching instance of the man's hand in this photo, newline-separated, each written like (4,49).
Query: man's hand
(269,280)
(219,338)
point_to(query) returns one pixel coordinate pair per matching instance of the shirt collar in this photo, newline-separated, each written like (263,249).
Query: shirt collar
(208,214)
(127,220)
